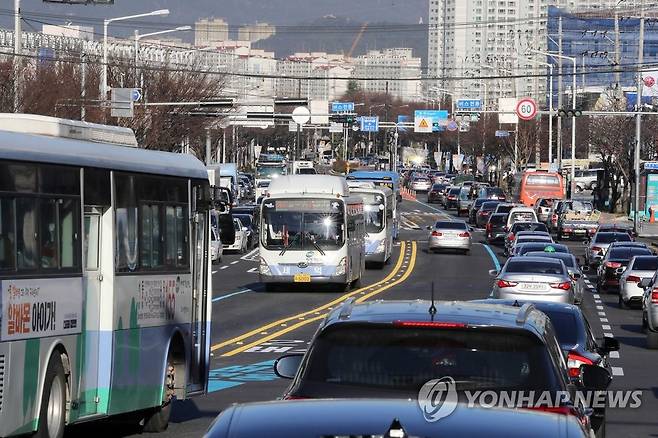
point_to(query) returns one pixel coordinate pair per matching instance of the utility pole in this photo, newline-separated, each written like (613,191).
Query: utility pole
(617,52)
(83,85)
(208,148)
(559,97)
(638,123)
(18,50)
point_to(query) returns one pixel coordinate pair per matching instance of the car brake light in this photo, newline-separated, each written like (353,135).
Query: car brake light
(489,227)
(511,236)
(465,234)
(564,286)
(482,213)
(654,296)
(504,283)
(612,265)
(597,249)
(633,279)
(436,234)
(574,361)
(434,324)
(562,410)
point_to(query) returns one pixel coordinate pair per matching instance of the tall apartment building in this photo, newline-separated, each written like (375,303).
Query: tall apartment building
(210,30)
(397,67)
(484,38)
(256,32)
(329,73)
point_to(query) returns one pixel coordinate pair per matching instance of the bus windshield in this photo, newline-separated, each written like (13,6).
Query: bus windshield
(374,207)
(303,224)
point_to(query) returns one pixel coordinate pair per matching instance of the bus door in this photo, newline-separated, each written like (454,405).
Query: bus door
(91,364)
(200,290)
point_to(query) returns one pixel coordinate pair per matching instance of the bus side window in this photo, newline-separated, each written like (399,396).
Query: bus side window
(351,226)
(7,234)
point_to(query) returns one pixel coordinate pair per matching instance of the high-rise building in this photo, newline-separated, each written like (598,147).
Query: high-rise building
(210,30)
(484,38)
(256,32)
(328,76)
(396,69)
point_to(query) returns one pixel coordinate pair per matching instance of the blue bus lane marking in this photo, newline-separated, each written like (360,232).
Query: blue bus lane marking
(236,375)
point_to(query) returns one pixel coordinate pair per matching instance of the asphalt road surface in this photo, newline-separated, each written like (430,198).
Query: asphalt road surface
(251,327)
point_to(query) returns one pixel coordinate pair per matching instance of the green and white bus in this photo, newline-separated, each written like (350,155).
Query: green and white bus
(104,276)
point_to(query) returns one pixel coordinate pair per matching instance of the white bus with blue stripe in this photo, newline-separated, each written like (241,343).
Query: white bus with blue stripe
(378,203)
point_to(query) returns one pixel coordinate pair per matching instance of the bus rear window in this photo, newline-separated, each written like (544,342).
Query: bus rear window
(542,180)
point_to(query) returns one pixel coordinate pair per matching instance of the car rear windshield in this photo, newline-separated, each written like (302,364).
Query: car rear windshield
(528,226)
(439,187)
(612,237)
(504,208)
(546,203)
(495,191)
(489,205)
(627,253)
(445,225)
(646,264)
(403,359)
(542,180)
(566,326)
(568,260)
(533,267)
(454,191)
(545,247)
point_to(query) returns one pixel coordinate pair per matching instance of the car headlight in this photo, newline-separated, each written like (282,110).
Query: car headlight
(381,247)
(342,266)
(264,268)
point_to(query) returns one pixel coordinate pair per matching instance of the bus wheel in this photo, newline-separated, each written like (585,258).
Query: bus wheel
(158,419)
(52,413)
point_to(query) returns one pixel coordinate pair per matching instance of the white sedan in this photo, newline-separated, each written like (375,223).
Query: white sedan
(216,247)
(241,237)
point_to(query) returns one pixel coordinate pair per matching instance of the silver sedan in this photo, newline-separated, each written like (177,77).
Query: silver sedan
(571,262)
(533,279)
(450,235)
(650,310)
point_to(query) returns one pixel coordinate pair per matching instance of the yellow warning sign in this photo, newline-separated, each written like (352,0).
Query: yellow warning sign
(423,124)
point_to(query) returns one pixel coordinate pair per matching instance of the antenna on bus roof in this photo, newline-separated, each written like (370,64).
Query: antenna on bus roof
(432,309)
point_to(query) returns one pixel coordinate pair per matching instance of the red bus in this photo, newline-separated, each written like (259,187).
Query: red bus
(532,185)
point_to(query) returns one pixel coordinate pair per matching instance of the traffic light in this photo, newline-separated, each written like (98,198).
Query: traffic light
(568,113)
(345,119)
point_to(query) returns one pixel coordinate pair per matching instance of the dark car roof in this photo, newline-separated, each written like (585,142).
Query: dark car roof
(390,311)
(542,246)
(627,253)
(367,417)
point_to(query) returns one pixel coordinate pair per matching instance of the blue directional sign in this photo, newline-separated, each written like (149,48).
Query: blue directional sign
(502,133)
(469,104)
(651,165)
(136,94)
(435,115)
(342,107)
(369,124)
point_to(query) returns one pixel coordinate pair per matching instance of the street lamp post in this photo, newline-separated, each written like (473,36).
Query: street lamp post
(106,23)
(139,36)
(573,107)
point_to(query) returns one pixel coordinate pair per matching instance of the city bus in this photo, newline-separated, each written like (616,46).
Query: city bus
(383,178)
(378,214)
(534,184)
(311,231)
(104,276)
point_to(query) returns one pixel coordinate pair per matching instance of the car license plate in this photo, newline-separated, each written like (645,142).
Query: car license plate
(532,286)
(579,231)
(302,278)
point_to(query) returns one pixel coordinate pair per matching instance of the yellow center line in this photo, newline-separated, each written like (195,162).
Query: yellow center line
(340,299)
(293,327)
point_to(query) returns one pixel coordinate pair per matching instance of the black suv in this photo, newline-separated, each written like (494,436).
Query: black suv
(390,349)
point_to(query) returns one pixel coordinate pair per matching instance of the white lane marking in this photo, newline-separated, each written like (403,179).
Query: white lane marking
(617,371)
(614,355)
(235,262)
(214,272)
(604,320)
(223,267)
(250,256)
(598,301)
(601,313)
(599,307)
(253,270)
(606,327)
(596,296)
(608,335)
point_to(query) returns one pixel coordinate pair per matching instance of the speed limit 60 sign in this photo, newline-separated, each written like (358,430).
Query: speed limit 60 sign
(526,109)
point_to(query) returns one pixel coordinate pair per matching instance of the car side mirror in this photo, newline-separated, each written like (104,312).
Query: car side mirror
(245,229)
(594,377)
(493,272)
(429,227)
(585,268)
(286,366)
(620,271)
(471,229)
(645,282)
(609,344)
(586,242)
